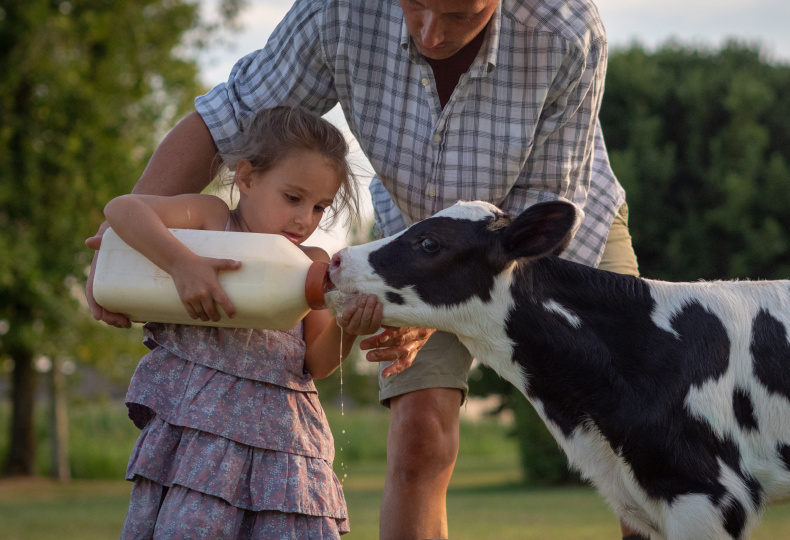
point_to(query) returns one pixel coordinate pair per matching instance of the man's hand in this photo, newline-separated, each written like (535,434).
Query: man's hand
(396,345)
(99,313)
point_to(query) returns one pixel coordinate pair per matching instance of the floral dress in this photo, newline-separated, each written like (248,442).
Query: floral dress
(234,441)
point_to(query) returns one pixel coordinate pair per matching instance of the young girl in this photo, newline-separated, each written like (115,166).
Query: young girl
(234,441)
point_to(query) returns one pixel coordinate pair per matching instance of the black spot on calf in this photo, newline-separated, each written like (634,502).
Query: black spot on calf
(784,453)
(734,519)
(703,336)
(629,376)
(744,410)
(771,353)
(395,298)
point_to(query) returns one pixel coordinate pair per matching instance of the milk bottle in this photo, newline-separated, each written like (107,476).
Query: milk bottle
(275,287)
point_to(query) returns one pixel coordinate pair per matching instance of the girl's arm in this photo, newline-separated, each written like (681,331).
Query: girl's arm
(324,346)
(142,221)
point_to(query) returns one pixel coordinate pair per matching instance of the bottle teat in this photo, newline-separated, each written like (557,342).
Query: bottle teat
(316,284)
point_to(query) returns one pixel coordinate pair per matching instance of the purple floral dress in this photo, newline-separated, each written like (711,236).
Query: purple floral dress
(234,441)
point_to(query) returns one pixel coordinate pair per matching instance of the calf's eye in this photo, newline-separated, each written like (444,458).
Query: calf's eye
(429,245)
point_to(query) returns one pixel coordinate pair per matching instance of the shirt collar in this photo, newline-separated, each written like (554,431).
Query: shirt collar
(486,58)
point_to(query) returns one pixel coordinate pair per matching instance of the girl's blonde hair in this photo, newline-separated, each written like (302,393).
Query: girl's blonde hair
(274,133)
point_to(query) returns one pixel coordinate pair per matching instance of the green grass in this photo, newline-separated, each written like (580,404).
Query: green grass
(478,509)
(39,509)
(485,500)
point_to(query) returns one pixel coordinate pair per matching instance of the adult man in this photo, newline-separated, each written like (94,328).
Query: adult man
(449,100)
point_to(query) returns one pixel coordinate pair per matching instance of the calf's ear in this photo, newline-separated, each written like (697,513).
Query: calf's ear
(542,229)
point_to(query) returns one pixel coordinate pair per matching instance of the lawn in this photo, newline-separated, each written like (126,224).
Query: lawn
(486,499)
(482,504)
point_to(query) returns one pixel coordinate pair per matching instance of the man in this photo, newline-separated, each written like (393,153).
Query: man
(449,100)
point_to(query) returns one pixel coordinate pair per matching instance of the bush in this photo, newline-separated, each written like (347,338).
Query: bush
(542,461)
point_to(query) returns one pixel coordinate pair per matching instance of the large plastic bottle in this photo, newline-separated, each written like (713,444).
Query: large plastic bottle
(275,287)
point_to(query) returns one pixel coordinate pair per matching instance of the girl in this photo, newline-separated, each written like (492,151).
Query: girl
(234,441)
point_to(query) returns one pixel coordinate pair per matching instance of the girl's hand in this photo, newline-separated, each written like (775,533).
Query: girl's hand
(323,339)
(99,313)
(199,289)
(363,318)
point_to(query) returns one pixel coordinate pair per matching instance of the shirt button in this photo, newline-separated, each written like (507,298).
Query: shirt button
(425,81)
(437,138)
(432,193)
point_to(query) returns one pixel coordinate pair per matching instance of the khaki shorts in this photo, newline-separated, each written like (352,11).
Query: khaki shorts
(444,362)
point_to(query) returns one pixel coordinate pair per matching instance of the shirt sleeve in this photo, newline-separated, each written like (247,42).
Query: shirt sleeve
(290,70)
(560,162)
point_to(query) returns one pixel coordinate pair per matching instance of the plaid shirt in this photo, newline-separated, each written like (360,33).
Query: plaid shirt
(520,128)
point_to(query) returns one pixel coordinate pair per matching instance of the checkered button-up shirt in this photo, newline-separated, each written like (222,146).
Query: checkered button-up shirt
(521,126)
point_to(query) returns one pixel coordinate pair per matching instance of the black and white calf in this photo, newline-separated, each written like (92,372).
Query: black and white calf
(673,399)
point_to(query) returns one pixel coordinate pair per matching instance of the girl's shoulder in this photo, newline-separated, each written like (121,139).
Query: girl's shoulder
(213,211)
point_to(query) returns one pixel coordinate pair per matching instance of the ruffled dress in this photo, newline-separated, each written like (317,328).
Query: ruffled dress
(234,441)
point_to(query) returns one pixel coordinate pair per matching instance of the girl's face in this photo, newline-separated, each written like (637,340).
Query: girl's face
(288,199)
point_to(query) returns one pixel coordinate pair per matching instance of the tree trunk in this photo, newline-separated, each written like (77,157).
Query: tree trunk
(21,453)
(59,464)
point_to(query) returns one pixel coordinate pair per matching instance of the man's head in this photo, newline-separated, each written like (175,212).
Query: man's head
(441,28)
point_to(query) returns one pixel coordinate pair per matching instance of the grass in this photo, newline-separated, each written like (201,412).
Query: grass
(486,499)
(39,509)
(479,508)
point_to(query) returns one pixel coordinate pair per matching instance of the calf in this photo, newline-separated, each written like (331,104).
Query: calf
(673,399)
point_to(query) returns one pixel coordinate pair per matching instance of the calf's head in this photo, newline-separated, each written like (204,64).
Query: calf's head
(434,273)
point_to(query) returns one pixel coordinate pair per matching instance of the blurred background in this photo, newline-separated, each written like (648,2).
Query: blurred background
(696,116)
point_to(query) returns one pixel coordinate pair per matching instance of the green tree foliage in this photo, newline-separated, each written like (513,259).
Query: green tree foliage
(701,142)
(88,87)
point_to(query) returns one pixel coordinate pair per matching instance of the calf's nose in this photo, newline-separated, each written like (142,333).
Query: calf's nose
(337,259)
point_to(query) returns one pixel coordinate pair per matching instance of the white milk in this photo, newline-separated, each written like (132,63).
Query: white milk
(275,287)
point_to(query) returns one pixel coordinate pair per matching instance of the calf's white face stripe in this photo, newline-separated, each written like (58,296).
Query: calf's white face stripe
(470,211)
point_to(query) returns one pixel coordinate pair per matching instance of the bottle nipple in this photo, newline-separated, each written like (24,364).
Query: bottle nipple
(316,284)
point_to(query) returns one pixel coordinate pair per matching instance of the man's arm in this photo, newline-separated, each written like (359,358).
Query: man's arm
(184,162)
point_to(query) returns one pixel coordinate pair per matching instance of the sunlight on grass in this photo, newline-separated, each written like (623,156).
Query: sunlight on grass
(486,499)
(39,509)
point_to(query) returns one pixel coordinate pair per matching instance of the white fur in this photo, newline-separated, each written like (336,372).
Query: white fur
(471,211)
(555,307)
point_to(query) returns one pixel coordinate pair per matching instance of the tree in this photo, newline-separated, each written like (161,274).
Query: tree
(701,142)
(88,86)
